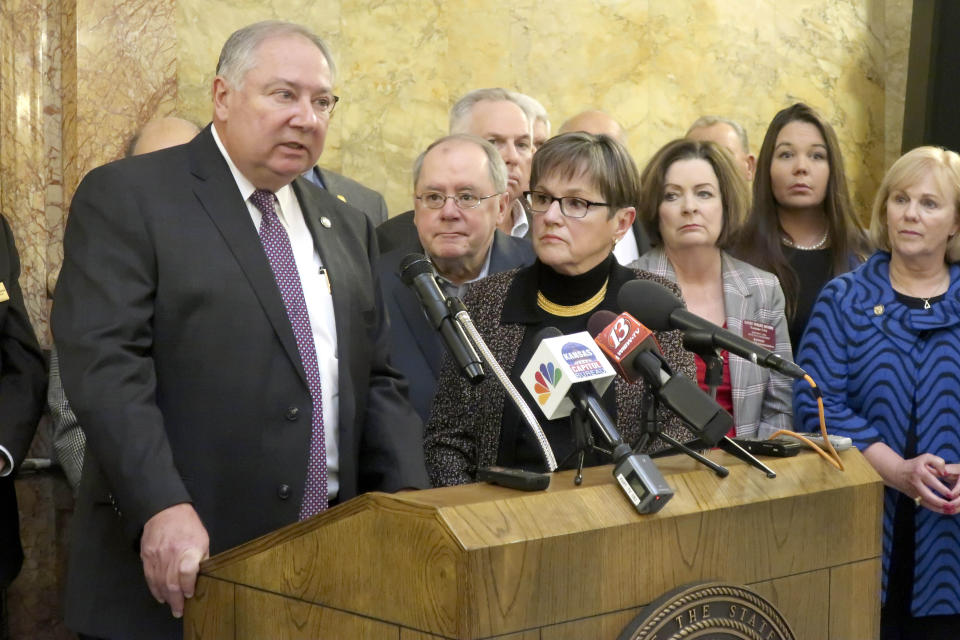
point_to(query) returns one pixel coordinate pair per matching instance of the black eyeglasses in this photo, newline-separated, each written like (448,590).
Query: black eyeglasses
(465,200)
(570,206)
(326,104)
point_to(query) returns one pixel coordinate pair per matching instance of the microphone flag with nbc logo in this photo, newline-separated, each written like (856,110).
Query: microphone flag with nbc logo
(559,363)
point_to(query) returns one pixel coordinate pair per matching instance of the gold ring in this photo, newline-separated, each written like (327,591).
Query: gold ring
(917,500)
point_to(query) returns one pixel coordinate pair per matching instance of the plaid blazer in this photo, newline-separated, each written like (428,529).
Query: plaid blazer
(762,398)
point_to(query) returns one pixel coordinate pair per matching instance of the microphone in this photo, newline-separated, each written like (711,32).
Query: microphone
(635,353)
(622,339)
(567,372)
(656,306)
(418,273)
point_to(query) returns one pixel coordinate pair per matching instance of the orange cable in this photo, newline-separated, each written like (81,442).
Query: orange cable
(830,455)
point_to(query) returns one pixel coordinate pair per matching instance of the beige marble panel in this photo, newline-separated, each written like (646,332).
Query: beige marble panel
(30,176)
(126,75)
(656,66)
(897,20)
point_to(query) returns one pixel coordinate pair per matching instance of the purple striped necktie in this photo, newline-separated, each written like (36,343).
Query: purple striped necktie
(276,244)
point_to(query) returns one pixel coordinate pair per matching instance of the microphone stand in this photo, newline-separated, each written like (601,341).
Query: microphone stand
(634,471)
(650,430)
(701,343)
(582,441)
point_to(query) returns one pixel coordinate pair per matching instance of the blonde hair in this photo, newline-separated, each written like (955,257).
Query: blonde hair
(907,171)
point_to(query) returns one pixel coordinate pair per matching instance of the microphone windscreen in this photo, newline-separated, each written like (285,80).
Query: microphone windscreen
(546,333)
(600,321)
(413,265)
(649,302)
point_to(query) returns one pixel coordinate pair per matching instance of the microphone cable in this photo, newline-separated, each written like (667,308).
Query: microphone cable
(830,455)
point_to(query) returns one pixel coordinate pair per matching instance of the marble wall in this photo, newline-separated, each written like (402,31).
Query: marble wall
(79,77)
(656,66)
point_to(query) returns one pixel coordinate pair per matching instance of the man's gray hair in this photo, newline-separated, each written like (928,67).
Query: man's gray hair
(708,121)
(495,164)
(460,111)
(532,107)
(238,55)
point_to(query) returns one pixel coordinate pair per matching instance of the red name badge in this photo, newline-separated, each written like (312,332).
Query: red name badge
(761,333)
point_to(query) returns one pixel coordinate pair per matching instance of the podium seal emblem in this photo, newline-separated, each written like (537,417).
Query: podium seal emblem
(709,610)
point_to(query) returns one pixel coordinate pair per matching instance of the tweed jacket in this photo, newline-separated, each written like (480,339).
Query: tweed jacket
(463,432)
(883,369)
(762,398)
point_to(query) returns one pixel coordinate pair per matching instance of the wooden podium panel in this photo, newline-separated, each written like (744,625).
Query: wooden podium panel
(480,561)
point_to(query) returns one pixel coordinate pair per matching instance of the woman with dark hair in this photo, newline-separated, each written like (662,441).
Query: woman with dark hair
(802,226)
(883,344)
(691,197)
(584,190)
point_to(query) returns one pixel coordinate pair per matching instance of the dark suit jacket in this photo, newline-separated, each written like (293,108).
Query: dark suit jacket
(397,233)
(355,194)
(179,360)
(643,239)
(23,382)
(417,348)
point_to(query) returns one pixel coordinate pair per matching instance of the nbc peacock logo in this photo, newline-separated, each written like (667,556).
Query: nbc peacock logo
(546,380)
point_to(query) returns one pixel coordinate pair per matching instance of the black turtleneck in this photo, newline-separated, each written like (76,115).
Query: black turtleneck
(518,446)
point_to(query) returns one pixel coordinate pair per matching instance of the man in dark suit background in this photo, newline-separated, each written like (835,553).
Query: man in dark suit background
(498,116)
(350,191)
(460,195)
(222,340)
(22,385)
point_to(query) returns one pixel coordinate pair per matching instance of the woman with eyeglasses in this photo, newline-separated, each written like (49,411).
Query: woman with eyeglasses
(692,194)
(584,189)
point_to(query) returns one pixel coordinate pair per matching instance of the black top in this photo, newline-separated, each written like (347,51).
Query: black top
(518,446)
(917,303)
(814,269)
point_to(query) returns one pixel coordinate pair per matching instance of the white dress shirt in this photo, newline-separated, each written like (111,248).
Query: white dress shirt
(625,251)
(316,294)
(519,217)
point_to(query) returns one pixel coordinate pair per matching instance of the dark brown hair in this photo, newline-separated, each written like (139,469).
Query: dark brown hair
(598,157)
(733,190)
(759,241)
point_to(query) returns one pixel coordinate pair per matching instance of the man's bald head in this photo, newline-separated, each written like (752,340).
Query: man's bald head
(731,136)
(161,133)
(597,123)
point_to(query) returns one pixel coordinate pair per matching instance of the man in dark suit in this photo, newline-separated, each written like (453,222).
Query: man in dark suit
(223,342)
(498,116)
(22,385)
(460,194)
(350,191)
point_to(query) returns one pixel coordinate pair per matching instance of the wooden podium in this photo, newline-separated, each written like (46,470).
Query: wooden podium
(481,561)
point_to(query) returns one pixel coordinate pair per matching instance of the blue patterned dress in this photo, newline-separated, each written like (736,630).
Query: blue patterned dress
(886,370)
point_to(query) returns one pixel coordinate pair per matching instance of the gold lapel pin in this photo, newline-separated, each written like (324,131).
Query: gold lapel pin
(325,221)
(341,198)
(878,310)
